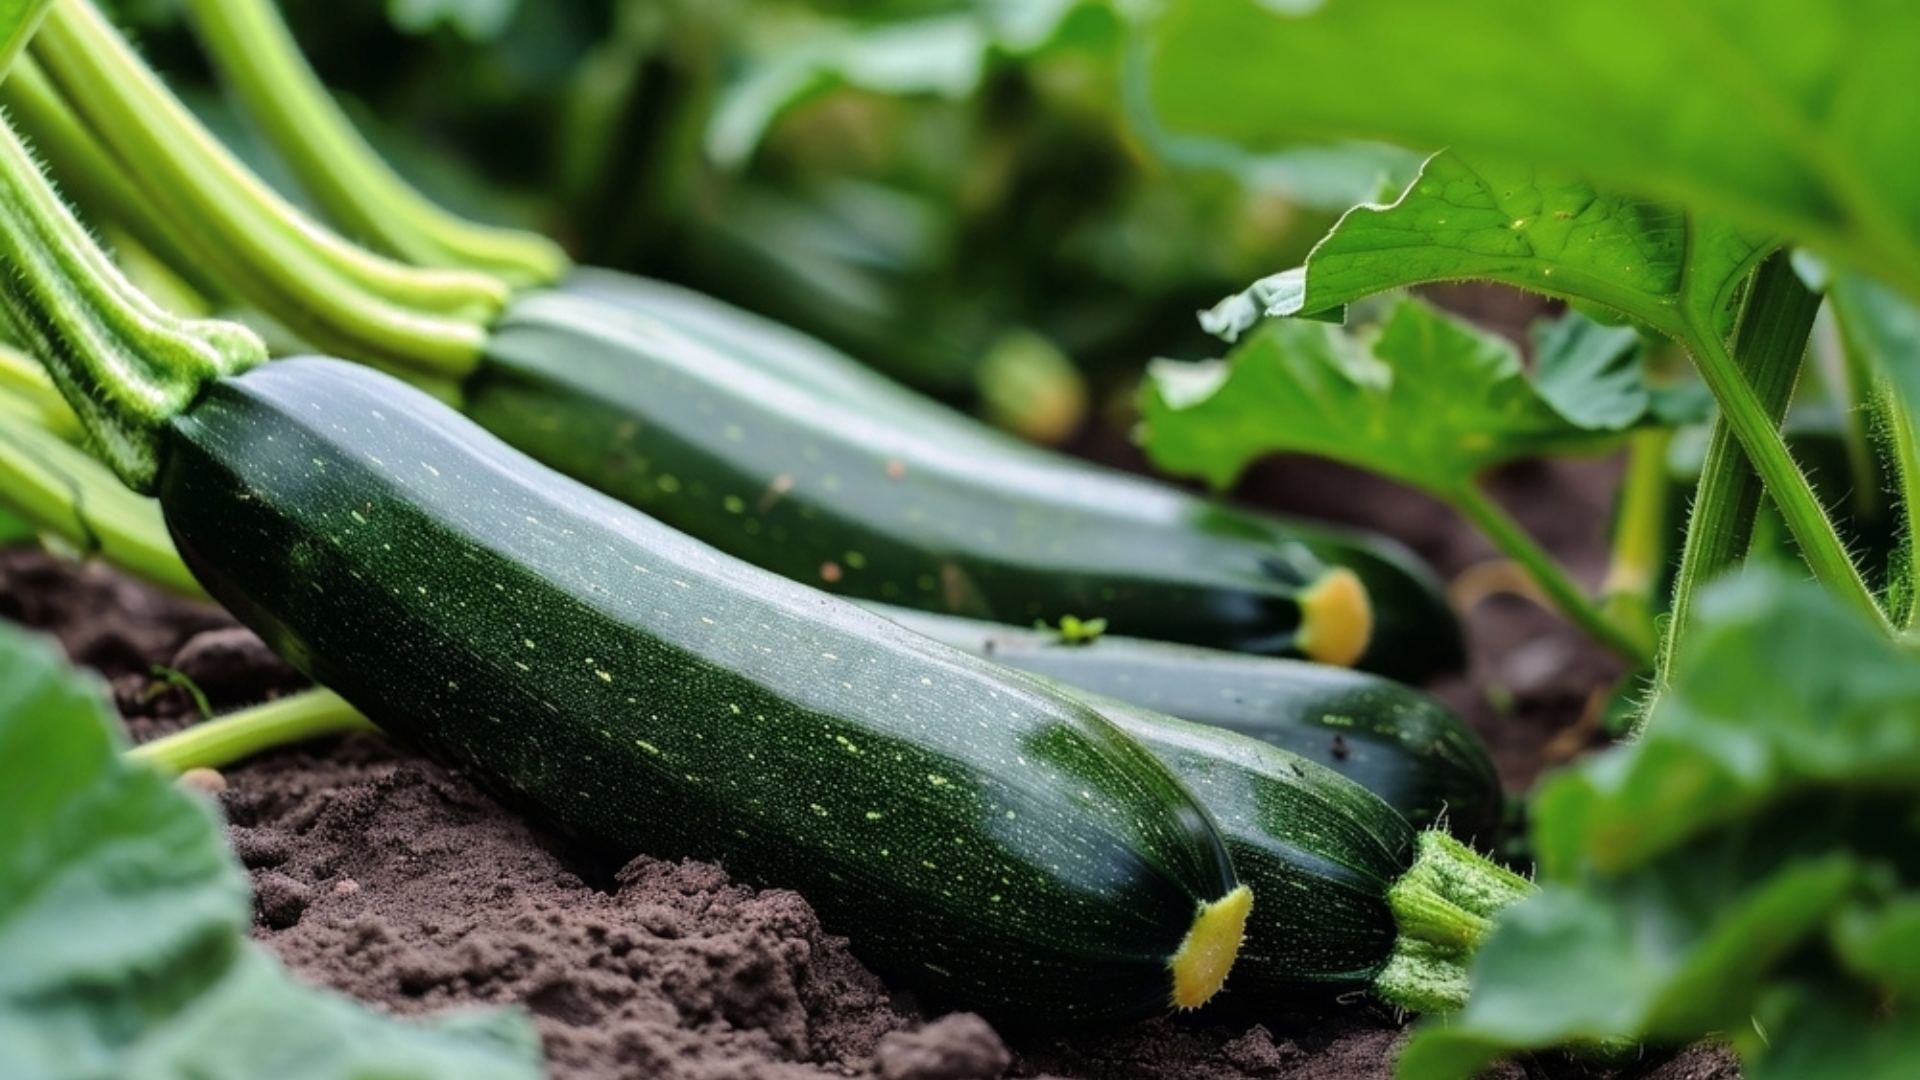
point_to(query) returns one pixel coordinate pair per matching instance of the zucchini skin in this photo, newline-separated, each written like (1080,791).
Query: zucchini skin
(987,840)
(1406,747)
(1319,851)
(1415,631)
(813,487)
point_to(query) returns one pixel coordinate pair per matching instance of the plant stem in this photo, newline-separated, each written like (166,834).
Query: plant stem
(1639,534)
(125,366)
(93,178)
(1546,571)
(311,714)
(1896,421)
(259,57)
(1770,340)
(26,19)
(329,292)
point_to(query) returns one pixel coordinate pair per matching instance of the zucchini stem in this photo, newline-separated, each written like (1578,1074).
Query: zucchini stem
(1477,507)
(335,295)
(126,366)
(216,743)
(263,64)
(1770,342)
(1444,907)
(1769,347)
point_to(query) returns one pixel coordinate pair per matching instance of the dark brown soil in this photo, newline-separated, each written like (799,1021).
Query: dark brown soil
(395,880)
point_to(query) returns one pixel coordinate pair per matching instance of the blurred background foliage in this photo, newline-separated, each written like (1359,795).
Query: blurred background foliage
(957,192)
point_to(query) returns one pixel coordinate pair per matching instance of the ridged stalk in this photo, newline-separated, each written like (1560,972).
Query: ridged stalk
(356,187)
(337,296)
(1444,907)
(125,365)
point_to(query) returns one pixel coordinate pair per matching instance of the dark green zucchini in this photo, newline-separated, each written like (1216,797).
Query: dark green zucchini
(794,480)
(1351,897)
(992,841)
(1414,631)
(1406,747)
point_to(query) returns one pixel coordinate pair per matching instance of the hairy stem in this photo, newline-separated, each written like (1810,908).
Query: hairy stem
(1770,342)
(1760,369)
(1443,908)
(124,365)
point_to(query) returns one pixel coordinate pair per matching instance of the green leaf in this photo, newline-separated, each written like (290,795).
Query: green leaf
(124,919)
(475,20)
(1885,326)
(944,57)
(1536,229)
(1427,400)
(1755,855)
(1775,114)
(1782,690)
(1590,373)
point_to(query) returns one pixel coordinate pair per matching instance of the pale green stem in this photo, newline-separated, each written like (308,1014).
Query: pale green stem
(220,742)
(1565,593)
(336,165)
(95,179)
(125,366)
(1639,534)
(26,387)
(335,295)
(1896,420)
(63,491)
(23,17)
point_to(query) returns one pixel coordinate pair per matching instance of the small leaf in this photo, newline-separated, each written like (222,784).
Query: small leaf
(124,920)
(1590,373)
(943,56)
(1428,401)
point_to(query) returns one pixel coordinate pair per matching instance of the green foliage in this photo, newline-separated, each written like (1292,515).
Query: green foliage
(1751,866)
(1773,113)
(123,921)
(1425,399)
(476,20)
(1535,229)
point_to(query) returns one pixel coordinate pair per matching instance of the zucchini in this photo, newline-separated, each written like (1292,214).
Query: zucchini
(1353,897)
(801,482)
(1414,633)
(992,841)
(1000,522)
(1413,752)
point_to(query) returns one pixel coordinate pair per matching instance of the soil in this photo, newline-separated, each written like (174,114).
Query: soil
(393,879)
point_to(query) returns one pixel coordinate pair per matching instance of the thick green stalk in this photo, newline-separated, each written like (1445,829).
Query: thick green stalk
(1546,571)
(344,174)
(335,295)
(28,391)
(125,366)
(62,491)
(219,742)
(18,21)
(93,178)
(1769,345)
